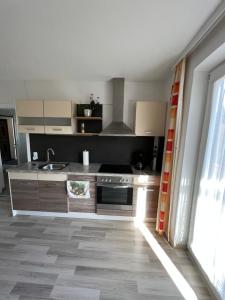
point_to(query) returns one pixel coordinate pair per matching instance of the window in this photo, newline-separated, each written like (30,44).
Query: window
(207,234)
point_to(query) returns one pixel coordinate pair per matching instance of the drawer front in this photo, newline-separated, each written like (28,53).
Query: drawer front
(31,129)
(51,177)
(82,178)
(147,180)
(82,205)
(23,185)
(114,212)
(58,129)
(23,176)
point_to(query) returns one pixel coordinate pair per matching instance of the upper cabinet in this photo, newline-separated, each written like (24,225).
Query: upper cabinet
(25,108)
(58,109)
(150,118)
(51,117)
(30,116)
(59,117)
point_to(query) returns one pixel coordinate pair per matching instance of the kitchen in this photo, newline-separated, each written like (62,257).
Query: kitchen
(112,150)
(113,181)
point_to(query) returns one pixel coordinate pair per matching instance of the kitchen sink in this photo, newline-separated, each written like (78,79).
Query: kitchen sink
(53,166)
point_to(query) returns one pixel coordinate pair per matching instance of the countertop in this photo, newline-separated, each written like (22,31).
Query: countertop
(76,169)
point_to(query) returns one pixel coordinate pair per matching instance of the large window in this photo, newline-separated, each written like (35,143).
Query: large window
(207,235)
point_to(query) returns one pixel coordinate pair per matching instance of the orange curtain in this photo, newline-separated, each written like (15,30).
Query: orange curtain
(171,147)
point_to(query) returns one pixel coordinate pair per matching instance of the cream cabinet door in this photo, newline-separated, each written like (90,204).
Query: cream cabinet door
(58,129)
(31,128)
(57,109)
(150,118)
(29,108)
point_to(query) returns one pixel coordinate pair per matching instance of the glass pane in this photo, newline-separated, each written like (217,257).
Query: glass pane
(208,244)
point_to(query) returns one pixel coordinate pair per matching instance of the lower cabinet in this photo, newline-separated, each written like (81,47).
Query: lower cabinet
(38,195)
(147,196)
(86,205)
(52,196)
(25,194)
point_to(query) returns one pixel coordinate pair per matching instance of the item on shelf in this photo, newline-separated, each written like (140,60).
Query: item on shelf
(82,128)
(139,160)
(92,101)
(87,112)
(96,112)
(85,158)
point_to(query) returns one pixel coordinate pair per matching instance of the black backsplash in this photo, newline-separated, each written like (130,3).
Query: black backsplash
(103,149)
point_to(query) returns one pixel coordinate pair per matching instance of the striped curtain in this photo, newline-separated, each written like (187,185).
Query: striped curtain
(171,147)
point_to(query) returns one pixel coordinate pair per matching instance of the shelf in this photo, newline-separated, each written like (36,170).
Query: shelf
(89,118)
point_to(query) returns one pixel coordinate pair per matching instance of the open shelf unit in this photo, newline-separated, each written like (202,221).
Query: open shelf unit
(92,125)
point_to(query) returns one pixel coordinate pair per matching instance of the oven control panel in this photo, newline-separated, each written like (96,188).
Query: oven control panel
(115,179)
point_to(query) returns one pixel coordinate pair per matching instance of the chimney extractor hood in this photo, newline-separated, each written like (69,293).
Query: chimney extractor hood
(118,127)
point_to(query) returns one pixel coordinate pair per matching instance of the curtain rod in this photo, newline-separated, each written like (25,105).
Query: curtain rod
(206,28)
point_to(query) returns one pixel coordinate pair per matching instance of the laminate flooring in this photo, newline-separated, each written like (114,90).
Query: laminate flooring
(60,258)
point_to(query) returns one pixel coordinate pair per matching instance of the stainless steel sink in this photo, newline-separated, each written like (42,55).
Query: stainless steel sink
(53,166)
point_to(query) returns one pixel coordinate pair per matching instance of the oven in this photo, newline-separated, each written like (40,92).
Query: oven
(114,193)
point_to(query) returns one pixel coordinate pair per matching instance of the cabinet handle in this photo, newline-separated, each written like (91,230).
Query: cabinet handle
(30,129)
(149,190)
(57,129)
(148,131)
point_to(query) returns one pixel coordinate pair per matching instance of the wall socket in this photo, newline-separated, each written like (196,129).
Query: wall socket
(35,155)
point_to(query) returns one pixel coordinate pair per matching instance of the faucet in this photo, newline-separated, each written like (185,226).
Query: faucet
(48,153)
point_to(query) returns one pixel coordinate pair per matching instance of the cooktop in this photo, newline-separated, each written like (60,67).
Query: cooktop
(123,169)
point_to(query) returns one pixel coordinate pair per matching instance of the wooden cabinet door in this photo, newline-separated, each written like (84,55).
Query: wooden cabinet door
(29,108)
(150,118)
(148,194)
(31,128)
(52,195)
(25,194)
(152,194)
(58,109)
(84,204)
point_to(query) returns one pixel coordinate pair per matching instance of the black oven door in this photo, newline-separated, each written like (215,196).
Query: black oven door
(114,196)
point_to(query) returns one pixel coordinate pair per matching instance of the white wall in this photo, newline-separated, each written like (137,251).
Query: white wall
(79,92)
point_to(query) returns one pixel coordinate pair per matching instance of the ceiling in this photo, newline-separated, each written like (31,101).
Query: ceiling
(96,39)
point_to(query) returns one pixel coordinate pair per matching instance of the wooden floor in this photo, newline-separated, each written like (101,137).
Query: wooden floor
(58,258)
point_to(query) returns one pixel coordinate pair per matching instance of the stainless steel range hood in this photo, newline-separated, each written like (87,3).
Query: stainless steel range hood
(118,127)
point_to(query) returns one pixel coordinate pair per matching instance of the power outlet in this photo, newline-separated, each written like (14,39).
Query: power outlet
(35,155)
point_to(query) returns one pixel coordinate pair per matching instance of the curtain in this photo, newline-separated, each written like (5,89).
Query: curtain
(208,241)
(171,146)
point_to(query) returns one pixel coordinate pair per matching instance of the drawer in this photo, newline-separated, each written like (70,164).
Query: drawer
(23,185)
(82,178)
(147,180)
(82,205)
(58,129)
(51,177)
(22,176)
(115,212)
(31,128)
